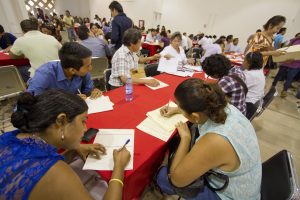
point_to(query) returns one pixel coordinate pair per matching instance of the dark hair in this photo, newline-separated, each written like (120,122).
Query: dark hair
(214,36)
(115,5)
(68,11)
(1,29)
(72,54)
(281,30)
(274,21)
(255,60)
(222,37)
(298,34)
(176,35)
(193,95)
(95,24)
(163,34)
(216,65)
(169,31)
(258,30)
(229,37)
(131,36)
(37,113)
(219,41)
(83,32)
(235,39)
(29,25)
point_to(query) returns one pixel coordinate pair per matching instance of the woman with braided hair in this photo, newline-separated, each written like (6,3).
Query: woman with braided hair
(227,144)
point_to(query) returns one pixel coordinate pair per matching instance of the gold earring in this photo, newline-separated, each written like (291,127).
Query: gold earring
(62,136)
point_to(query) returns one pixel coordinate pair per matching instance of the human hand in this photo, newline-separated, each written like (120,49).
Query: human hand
(96,93)
(183,130)
(156,56)
(168,112)
(85,149)
(279,53)
(83,96)
(152,82)
(121,157)
(168,56)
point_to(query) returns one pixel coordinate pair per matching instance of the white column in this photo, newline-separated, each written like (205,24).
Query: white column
(12,12)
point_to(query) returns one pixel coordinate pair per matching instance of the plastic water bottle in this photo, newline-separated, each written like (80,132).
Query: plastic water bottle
(128,89)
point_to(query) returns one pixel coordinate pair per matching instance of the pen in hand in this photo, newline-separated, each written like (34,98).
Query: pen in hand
(125,144)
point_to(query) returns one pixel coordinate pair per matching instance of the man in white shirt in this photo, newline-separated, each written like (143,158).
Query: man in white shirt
(211,49)
(151,37)
(234,47)
(39,48)
(204,41)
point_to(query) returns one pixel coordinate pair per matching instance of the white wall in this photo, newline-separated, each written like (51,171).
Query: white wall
(135,9)
(12,12)
(76,7)
(237,17)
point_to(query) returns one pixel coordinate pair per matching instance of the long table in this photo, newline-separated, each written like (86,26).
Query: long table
(6,60)
(148,150)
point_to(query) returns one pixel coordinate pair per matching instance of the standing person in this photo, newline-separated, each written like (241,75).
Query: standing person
(292,68)
(263,41)
(252,35)
(69,24)
(97,20)
(6,40)
(39,48)
(185,42)
(279,39)
(120,23)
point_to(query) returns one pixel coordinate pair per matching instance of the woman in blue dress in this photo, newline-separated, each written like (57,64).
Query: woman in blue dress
(30,166)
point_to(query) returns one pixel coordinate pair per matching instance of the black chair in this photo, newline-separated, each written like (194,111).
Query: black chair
(266,101)
(151,70)
(279,178)
(107,74)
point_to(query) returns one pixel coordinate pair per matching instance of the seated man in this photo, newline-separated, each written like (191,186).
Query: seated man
(39,48)
(71,73)
(95,44)
(6,40)
(151,37)
(231,79)
(234,48)
(124,61)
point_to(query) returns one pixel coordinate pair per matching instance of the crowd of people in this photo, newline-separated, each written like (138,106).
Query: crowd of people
(52,113)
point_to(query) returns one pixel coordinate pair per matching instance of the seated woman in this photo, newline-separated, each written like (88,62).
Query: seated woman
(164,41)
(30,166)
(227,144)
(96,31)
(175,50)
(255,81)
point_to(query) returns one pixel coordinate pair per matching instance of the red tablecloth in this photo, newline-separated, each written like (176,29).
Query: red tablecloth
(148,150)
(6,60)
(151,47)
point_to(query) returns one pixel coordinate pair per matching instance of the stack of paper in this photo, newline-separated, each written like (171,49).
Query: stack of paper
(161,84)
(182,73)
(159,126)
(292,53)
(100,104)
(170,65)
(111,139)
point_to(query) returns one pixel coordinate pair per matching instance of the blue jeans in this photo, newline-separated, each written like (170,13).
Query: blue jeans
(71,34)
(166,187)
(291,74)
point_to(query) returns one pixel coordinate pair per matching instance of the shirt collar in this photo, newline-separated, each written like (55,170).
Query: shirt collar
(60,73)
(125,49)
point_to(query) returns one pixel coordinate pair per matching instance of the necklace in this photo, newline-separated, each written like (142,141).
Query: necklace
(39,138)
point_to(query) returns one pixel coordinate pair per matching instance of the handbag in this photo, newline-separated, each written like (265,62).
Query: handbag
(198,185)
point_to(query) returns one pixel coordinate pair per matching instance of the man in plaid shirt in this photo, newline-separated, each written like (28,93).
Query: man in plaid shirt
(219,67)
(124,61)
